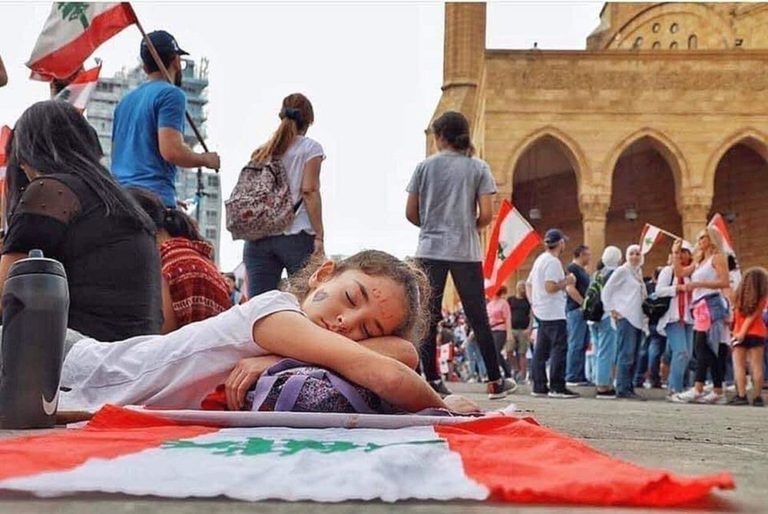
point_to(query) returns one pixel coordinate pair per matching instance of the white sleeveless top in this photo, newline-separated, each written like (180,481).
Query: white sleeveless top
(705,272)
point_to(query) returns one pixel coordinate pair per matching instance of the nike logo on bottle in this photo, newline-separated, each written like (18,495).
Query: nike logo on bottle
(50,407)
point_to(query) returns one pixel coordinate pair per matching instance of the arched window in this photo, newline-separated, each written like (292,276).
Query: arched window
(656,27)
(674,28)
(638,43)
(656,45)
(693,42)
(673,45)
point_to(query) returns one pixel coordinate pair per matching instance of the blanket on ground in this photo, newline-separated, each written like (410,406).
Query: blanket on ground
(500,458)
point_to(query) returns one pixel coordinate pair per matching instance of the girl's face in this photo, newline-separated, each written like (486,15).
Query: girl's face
(354,304)
(635,258)
(704,242)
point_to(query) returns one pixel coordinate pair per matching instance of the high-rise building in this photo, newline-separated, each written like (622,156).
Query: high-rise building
(101,110)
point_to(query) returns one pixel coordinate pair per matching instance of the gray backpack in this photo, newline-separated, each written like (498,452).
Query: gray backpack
(260,204)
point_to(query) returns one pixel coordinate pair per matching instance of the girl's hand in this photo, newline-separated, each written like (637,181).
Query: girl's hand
(461,404)
(680,288)
(319,247)
(615,315)
(689,287)
(245,374)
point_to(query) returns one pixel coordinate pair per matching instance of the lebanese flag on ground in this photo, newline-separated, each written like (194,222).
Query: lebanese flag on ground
(79,91)
(650,236)
(512,239)
(72,32)
(497,458)
(718,223)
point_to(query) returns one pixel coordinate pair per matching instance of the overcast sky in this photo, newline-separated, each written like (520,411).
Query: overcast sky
(372,70)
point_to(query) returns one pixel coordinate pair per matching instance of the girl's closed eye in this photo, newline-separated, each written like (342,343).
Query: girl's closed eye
(349,299)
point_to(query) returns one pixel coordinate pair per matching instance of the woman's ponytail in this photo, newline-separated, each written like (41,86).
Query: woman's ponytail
(296,115)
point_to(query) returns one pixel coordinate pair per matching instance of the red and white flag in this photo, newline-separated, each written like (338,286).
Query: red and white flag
(501,459)
(650,236)
(79,91)
(718,223)
(512,239)
(72,32)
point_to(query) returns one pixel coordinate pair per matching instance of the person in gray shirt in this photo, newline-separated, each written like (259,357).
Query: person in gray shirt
(450,200)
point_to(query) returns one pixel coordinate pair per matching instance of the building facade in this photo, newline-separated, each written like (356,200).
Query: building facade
(662,119)
(100,113)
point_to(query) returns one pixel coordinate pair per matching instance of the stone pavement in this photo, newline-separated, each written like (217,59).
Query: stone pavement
(688,439)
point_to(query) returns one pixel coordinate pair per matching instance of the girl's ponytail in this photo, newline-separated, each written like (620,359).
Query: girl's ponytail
(296,115)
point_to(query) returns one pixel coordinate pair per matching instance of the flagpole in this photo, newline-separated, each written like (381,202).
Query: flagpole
(167,75)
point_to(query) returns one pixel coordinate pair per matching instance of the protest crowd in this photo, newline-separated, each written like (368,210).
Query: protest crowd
(143,282)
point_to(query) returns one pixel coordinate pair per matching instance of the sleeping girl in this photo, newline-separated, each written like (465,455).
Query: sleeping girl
(354,317)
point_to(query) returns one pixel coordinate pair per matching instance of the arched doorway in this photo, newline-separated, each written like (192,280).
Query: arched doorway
(741,183)
(545,191)
(643,191)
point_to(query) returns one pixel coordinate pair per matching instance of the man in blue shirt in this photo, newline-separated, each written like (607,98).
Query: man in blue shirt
(148,129)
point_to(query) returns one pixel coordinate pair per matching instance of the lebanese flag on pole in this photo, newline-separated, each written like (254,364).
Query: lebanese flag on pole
(512,239)
(650,236)
(718,223)
(79,91)
(72,32)
(501,459)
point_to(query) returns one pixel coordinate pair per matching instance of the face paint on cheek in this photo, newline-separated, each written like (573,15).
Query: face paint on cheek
(385,312)
(319,296)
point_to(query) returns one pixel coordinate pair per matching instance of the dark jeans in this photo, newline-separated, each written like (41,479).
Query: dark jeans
(578,338)
(641,366)
(266,258)
(657,345)
(499,340)
(707,361)
(468,279)
(551,344)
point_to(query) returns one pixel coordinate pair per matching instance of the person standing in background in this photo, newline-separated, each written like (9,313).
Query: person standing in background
(520,335)
(499,316)
(578,333)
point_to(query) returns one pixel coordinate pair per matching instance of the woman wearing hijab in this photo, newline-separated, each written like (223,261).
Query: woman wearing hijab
(623,297)
(604,336)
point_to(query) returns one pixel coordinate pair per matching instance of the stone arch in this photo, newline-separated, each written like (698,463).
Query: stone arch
(751,137)
(662,144)
(567,144)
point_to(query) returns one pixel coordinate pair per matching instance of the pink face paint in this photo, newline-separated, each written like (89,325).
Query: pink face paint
(319,296)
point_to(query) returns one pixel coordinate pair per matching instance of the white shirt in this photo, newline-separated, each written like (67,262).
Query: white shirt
(172,371)
(301,151)
(547,306)
(624,293)
(666,287)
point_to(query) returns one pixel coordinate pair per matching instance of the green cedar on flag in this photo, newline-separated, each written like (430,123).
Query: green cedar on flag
(72,32)
(650,236)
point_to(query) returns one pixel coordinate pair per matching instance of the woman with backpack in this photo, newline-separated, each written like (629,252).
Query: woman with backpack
(301,157)
(603,334)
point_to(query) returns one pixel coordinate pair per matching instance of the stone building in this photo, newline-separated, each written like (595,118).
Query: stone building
(663,118)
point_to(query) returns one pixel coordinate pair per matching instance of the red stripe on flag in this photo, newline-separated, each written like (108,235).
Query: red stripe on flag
(64,61)
(111,433)
(514,261)
(85,77)
(5,136)
(493,242)
(520,461)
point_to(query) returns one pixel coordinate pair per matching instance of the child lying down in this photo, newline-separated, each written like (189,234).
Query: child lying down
(354,318)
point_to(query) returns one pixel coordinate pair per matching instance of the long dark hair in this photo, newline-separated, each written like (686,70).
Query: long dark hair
(453,127)
(173,221)
(53,137)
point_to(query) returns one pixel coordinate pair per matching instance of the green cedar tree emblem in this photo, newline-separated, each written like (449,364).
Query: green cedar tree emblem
(71,11)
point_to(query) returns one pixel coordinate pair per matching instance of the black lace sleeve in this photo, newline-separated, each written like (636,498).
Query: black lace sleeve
(42,217)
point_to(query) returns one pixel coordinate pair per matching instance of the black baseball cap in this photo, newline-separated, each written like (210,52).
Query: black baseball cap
(164,43)
(554,236)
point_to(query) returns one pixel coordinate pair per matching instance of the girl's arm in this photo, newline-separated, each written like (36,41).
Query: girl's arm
(412,209)
(665,287)
(310,192)
(292,335)
(484,210)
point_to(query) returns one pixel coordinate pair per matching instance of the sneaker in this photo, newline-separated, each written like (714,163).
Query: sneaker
(758,402)
(500,388)
(606,395)
(439,387)
(583,383)
(630,396)
(689,396)
(713,398)
(540,394)
(739,400)
(731,388)
(564,394)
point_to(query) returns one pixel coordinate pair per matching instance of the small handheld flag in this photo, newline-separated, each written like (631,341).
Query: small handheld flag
(718,223)
(79,91)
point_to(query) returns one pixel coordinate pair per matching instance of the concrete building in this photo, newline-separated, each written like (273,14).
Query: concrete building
(100,112)
(663,119)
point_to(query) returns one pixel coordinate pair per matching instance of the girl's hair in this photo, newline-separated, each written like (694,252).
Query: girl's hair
(453,127)
(296,116)
(752,291)
(714,238)
(502,292)
(173,221)
(380,264)
(53,137)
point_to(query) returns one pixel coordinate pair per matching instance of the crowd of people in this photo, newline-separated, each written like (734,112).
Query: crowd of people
(696,327)
(153,321)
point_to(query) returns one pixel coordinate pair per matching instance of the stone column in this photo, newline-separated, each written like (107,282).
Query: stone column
(594,207)
(694,209)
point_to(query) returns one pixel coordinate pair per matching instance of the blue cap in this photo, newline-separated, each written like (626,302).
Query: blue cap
(554,236)
(163,42)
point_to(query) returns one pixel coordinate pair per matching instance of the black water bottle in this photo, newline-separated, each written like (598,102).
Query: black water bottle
(35,311)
